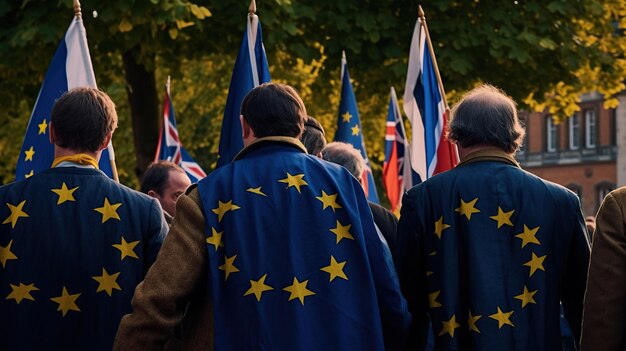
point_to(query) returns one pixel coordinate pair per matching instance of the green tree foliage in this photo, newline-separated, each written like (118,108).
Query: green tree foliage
(543,53)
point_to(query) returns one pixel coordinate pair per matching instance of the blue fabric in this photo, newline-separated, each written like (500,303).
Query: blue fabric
(241,83)
(349,129)
(65,245)
(286,234)
(481,264)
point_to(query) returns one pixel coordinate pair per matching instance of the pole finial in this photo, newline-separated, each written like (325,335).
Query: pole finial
(77,10)
(420,12)
(252,8)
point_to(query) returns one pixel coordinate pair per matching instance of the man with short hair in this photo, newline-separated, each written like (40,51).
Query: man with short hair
(487,251)
(277,250)
(346,155)
(74,244)
(166,182)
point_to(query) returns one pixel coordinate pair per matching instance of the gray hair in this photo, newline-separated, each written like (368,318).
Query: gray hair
(486,116)
(345,155)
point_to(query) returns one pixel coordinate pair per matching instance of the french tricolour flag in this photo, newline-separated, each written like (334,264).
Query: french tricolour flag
(170,148)
(431,152)
(70,68)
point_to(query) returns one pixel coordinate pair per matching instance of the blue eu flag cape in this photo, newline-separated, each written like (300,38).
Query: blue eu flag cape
(251,69)
(70,68)
(295,262)
(349,128)
(488,251)
(73,246)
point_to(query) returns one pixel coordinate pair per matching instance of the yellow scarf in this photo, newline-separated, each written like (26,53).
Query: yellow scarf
(82,159)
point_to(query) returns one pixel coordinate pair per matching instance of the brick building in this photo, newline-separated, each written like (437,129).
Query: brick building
(579,153)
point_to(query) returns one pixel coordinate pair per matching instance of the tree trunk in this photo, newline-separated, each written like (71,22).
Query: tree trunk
(143,102)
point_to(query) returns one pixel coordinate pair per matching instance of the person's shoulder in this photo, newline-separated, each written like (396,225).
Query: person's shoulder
(618,194)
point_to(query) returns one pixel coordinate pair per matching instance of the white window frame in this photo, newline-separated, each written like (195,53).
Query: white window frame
(574,132)
(551,135)
(591,121)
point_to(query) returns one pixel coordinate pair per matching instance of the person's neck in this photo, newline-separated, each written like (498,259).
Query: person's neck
(64,152)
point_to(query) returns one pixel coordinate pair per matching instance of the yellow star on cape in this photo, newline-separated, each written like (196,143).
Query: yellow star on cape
(467,208)
(126,249)
(21,292)
(42,126)
(535,263)
(526,297)
(64,193)
(17,212)
(346,117)
(471,322)
(328,201)
(503,217)
(295,181)
(335,269)
(107,282)
(258,287)
(29,154)
(449,327)
(6,254)
(342,231)
(67,302)
(298,290)
(502,318)
(432,299)
(108,210)
(29,174)
(355,129)
(256,191)
(224,207)
(528,236)
(215,239)
(440,227)
(229,266)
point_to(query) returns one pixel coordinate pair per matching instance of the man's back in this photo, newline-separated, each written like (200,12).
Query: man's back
(73,246)
(489,250)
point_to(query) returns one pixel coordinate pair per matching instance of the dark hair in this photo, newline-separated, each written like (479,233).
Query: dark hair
(274,109)
(157,175)
(345,155)
(486,116)
(82,119)
(313,136)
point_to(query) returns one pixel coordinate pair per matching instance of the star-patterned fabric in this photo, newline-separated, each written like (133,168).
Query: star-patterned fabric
(295,262)
(487,251)
(73,247)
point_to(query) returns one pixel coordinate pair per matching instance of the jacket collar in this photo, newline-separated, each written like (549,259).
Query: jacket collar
(271,139)
(489,154)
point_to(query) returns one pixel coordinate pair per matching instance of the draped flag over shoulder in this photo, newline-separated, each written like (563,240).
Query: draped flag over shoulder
(349,127)
(170,148)
(70,68)
(396,168)
(251,69)
(425,106)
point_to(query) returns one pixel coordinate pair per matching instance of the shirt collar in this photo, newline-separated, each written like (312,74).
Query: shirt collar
(275,139)
(489,154)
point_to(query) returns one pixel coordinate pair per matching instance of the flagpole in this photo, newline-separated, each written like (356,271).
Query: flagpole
(252,8)
(78,14)
(422,18)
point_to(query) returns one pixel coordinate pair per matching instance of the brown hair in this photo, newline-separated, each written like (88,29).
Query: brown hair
(82,118)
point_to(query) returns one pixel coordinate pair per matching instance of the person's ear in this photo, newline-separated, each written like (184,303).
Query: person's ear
(106,141)
(53,135)
(245,127)
(152,193)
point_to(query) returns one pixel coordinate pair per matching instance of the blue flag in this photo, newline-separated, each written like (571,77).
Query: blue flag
(170,148)
(295,262)
(251,69)
(349,127)
(70,68)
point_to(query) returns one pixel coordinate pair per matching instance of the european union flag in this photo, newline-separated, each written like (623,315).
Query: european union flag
(487,251)
(73,246)
(170,148)
(349,127)
(295,262)
(70,68)
(251,69)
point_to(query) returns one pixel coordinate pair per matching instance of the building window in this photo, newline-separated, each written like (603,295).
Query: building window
(604,189)
(577,189)
(590,129)
(574,132)
(551,134)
